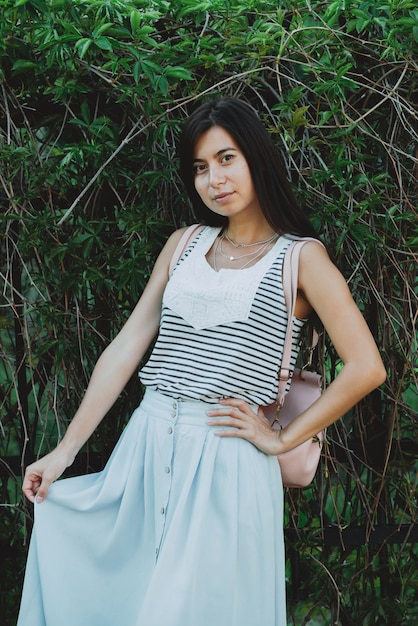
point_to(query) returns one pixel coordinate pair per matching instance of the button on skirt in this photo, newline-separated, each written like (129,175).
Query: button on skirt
(181,528)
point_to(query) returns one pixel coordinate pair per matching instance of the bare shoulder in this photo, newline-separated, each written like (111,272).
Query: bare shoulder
(314,260)
(313,250)
(175,237)
(183,235)
(170,245)
(171,248)
(177,234)
(321,283)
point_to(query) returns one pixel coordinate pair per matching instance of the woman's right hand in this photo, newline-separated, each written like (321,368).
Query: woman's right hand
(113,370)
(42,473)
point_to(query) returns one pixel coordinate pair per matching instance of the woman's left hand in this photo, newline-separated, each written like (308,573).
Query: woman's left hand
(242,422)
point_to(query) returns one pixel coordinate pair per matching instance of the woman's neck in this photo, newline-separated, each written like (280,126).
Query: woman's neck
(245,233)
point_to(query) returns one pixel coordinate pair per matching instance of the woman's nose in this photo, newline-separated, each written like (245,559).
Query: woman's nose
(216,175)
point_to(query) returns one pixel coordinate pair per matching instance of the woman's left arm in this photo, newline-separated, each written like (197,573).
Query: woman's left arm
(323,288)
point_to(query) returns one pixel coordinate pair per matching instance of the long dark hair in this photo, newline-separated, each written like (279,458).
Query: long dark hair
(271,184)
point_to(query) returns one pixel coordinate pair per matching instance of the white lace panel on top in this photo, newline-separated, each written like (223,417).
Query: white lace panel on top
(205,298)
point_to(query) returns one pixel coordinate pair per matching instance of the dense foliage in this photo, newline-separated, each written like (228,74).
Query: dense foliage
(92,95)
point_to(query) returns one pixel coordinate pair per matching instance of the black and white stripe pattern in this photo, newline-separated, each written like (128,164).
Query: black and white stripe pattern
(239,359)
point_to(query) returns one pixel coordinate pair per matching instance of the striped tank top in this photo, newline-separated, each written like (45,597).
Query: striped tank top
(221,333)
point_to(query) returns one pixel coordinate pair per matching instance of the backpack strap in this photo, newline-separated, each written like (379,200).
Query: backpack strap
(186,238)
(290,288)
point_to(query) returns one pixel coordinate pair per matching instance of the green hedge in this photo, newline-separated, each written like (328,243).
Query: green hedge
(92,96)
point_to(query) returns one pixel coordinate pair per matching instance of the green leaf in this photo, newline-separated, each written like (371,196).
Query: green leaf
(177,72)
(101,29)
(85,112)
(103,43)
(135,19)
(22,65)
(83,45)
(136,71)
(161,84)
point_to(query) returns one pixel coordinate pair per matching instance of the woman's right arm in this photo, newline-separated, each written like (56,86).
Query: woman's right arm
(112,371)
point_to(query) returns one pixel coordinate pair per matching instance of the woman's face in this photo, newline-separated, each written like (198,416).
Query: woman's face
(222,177)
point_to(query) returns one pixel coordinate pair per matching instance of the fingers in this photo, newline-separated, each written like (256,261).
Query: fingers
(43,489)
(238,411)
(237,415)
(29,489)
(35,486)
(42,473)
(232,407)
(237,419)
(241,405)
(31,484)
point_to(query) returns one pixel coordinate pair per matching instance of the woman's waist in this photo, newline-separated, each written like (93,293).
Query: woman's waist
(178,410)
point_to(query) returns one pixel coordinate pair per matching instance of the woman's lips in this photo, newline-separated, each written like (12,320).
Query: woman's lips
(221,197)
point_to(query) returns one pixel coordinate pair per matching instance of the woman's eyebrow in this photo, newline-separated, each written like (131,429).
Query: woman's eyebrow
(221,151)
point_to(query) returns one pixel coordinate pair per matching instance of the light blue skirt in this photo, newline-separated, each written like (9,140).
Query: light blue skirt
(181,528)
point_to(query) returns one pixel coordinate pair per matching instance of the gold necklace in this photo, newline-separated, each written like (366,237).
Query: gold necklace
(254,255)
(247,245)
(262,245)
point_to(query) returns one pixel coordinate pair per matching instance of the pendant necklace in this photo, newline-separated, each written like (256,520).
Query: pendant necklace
(252,256)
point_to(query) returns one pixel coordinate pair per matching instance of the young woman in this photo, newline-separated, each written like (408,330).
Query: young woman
(183,527)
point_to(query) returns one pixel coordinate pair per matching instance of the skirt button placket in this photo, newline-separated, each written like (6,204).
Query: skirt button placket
(168,454)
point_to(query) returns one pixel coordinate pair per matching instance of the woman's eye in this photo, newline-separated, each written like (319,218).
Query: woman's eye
(198,169)
(227,157)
